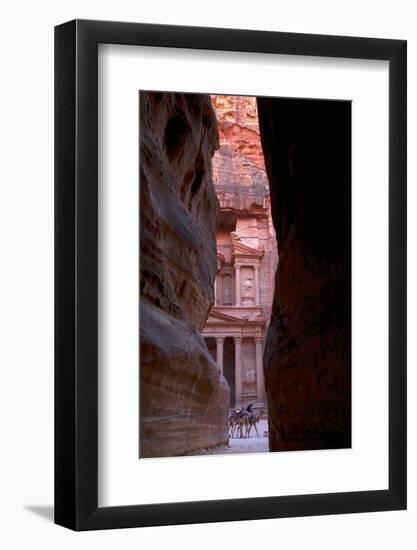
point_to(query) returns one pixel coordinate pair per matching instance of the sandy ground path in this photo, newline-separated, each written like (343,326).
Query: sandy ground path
(253,444)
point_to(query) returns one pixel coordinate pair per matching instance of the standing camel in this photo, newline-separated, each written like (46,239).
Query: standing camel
(241,422)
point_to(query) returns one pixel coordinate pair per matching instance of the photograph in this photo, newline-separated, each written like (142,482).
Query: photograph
(245,274)
(209,230)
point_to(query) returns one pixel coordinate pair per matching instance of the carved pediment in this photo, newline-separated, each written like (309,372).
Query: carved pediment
(216,316)
(243,250)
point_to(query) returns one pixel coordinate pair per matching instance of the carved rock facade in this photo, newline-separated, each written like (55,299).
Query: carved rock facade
(246,252)
(183,396)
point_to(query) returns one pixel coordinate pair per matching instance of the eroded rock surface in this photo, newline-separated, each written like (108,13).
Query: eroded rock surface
(183,397)
(238,166)
(308,349)
(242,187)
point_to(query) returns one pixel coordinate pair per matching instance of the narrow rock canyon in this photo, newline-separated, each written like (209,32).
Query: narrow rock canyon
(217,196)
(246,253)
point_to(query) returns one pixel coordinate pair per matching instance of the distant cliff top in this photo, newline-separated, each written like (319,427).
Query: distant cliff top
(238,165)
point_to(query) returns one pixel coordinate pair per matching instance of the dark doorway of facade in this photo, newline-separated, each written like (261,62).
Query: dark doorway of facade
(229,368)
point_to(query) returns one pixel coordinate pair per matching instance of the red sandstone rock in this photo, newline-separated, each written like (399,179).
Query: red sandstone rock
(237,118)
(242,185)
(307,356)
(238,167)
(245,238)
(183,397)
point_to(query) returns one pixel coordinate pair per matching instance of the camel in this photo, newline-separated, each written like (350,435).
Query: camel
(241,422)
(232,424)
(253,419)
(234,421)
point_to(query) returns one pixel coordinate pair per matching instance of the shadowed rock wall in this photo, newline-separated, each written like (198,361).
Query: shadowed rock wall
(183,397)
(308,350)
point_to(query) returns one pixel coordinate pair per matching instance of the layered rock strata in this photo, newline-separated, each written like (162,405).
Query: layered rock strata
(308,349)
(238,167)
(183,396)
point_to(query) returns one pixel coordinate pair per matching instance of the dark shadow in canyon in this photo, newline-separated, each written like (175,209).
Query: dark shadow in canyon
(307,360)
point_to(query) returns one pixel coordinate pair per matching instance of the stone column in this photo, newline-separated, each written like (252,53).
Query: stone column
(257,299)
(215,290)
(238,370)
(219,353)
(237,285)
(260,379)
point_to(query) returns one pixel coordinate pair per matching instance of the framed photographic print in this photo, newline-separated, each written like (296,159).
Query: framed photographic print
(230,252)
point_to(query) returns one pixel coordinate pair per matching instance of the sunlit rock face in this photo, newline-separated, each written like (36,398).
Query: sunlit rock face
(247,253)
(242,187)
(237,118)
(238,167)
(183,397)
(307,356)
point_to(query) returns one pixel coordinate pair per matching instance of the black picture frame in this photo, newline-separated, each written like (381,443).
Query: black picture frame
(76,272)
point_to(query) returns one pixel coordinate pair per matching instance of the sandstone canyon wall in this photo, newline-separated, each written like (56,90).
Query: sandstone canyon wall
(308,350)
(183,396)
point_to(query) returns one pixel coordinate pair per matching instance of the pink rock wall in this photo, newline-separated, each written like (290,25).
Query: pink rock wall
(242,185)
(183,397)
